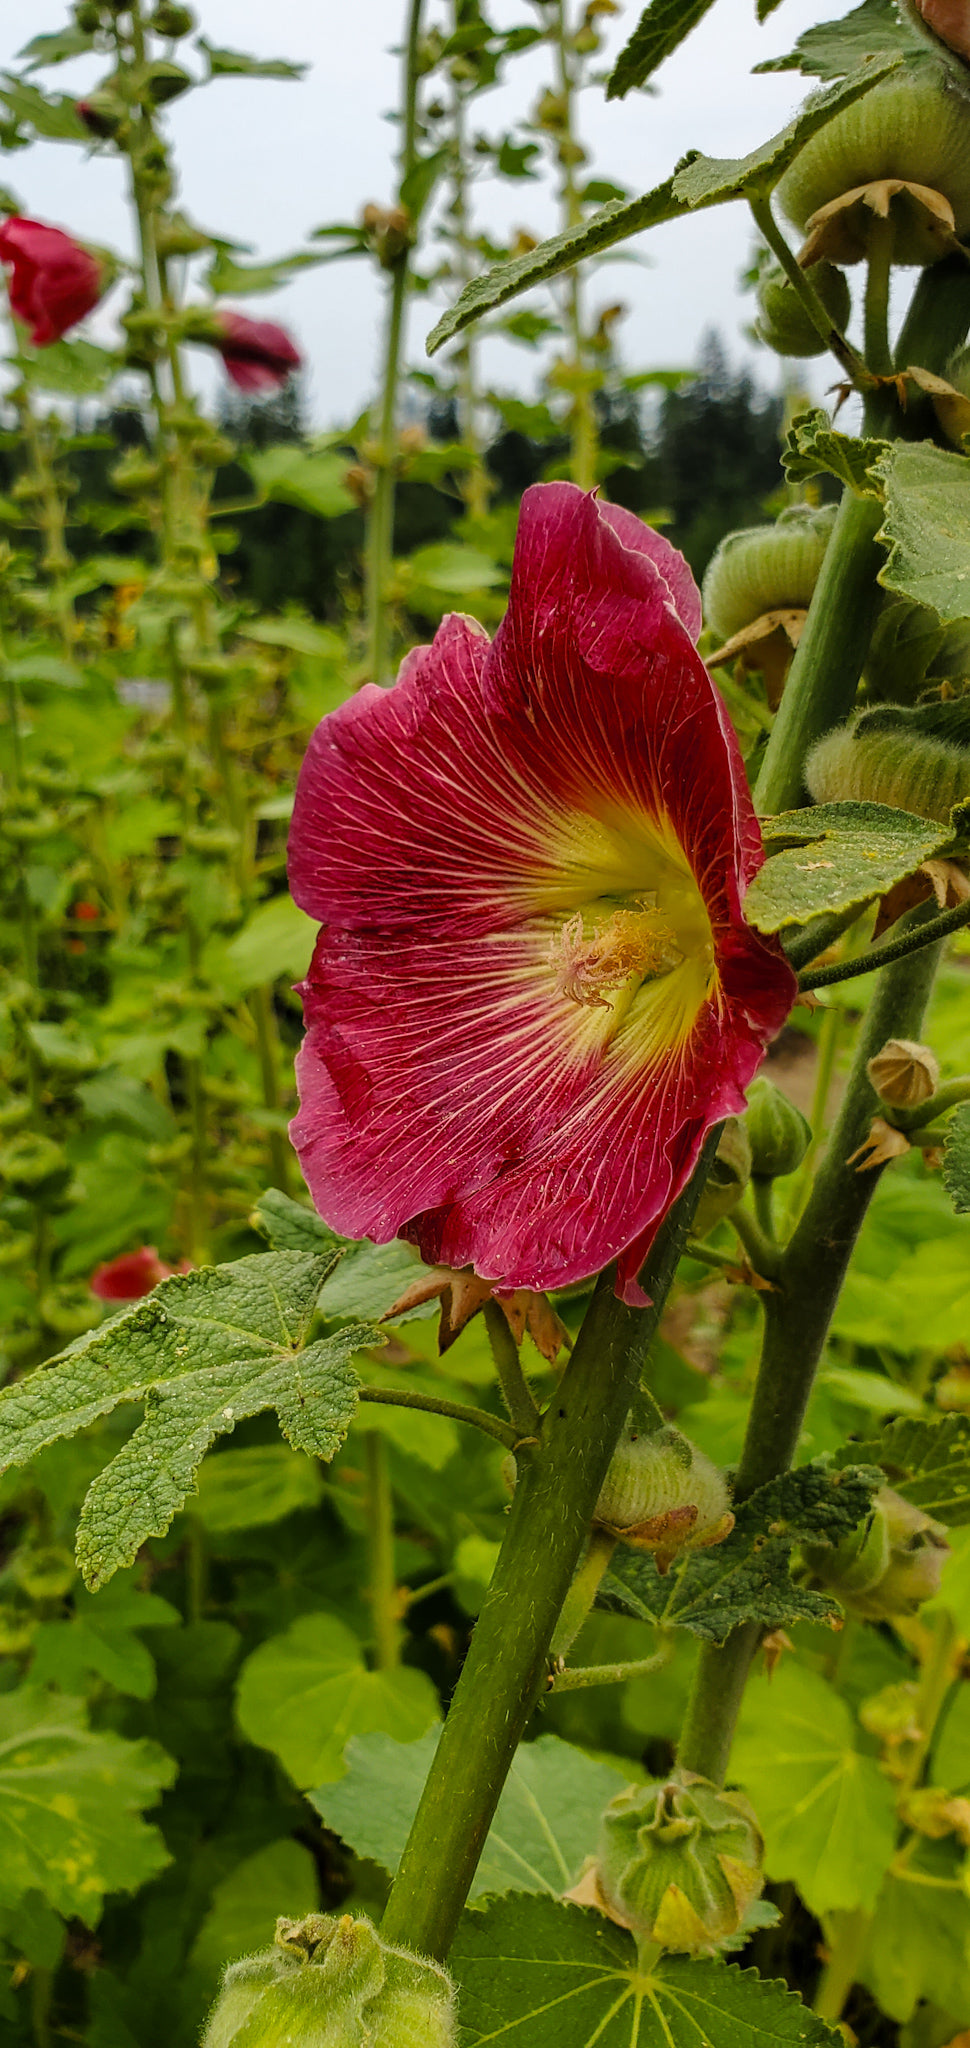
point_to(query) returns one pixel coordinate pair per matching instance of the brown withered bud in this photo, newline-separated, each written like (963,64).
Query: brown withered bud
(904,1074)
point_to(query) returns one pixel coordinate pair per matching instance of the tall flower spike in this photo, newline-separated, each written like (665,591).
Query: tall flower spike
(534,991)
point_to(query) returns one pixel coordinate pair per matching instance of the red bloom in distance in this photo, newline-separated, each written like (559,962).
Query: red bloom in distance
(130,1276)
(258,355)
(534,991)
(55,282)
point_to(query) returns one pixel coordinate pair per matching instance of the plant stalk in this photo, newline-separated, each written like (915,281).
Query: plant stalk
(582,417)
(506,1669)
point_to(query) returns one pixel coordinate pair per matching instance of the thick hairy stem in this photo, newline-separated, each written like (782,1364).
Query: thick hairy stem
(380,522)
(801,284)
(797,1319)
(506,1668)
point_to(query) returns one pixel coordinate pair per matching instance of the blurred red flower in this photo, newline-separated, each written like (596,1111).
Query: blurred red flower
(131,1275)
(258,355)
(55,282)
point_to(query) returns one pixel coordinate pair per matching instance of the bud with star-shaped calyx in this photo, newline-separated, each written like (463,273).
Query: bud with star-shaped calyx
(332,1983)
(678,1862)
(661,1493)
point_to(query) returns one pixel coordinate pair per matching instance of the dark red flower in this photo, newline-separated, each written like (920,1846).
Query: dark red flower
(534,991)
(55,282)
(130,1276)
(258,355)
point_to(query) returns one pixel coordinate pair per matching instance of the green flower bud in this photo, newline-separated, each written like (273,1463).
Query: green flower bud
(70,1309)
(911,758)
(103,112)
(87,14)
(727,1179)
(661,1493)
(783,323)
(765,568)
(163,82)
(778,1133)
(679,1862)
(914,127)
(171,20)
(889,1565)
(43,1571)
(332,1983)
(35,1167)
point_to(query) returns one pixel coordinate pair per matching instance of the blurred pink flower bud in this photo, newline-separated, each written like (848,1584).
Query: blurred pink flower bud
(950,20)
(55,282)
(258,355)
(131,1275)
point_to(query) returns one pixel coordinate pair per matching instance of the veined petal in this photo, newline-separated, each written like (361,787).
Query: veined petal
(534,991)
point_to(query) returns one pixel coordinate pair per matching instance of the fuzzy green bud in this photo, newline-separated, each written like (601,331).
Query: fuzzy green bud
(914,127)
(661,1493)
(778,1133)
(171,20)
(911,758)
(888,1566)
(783,322)
(679,1862)
(332,1983)
(765,568)
(163,82)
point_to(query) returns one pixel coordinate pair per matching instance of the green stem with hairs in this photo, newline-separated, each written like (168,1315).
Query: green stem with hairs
(796,1324)
(583,1591)
(882,239)
(435,1404)
(909,941)
(582,417)
(523,1410)
(579,1677)
(848,357)
(379,544)
(506,1668)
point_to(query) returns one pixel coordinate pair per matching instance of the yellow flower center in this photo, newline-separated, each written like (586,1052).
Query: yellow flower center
(632,946)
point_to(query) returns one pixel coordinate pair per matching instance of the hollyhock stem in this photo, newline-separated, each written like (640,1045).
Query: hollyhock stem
(380,1545)
(507,1664)
(583,418)
(579,1677)
(379,545)
(843,351)
(56,560)
(882,237)
(474,479)
(434,1404)
(797,1318)
(909,941)
(516,1392)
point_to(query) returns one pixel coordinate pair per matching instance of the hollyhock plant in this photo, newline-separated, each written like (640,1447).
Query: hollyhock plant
(131,1275)
(55,282)
(257,354)
(534,991)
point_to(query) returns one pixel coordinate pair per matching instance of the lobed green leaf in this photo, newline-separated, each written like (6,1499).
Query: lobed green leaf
(926,1460)
(927,527)
(834,857)
(834,49)
(303,1695)
(660,30)
(812,445)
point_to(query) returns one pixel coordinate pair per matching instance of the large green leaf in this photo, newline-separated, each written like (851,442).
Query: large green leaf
(532,1973)
(927,527)
(239,64)
(827,1812)
(311,479)
(928,1462)
(70,1805)
(836,857)
(305,1693)
(747,1577)
(832,49)
(242,1915)
(660,30)
(956,1159)
(205,1350)
(919,1942)
(369,1278)
(545,1826)
(703,181)
(248,1489)
(102,1638)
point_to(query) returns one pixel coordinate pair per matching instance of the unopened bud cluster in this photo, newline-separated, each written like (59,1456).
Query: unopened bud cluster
(332,1983)
(889,1565)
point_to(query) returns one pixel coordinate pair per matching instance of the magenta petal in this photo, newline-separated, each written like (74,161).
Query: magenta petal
(451,1088)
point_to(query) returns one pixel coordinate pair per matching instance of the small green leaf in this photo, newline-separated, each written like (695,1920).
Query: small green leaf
(452,568)
(297,476)
(421,180)
(546,1823)
(927,527)
(101,1638)
(956,1159)
(70,1805)
(291,1227)
(827,1812)
(833,49)
(928,1462)
(534,1973)
(227,276)
(53,116)
(248,1489)
(239,64)
(305,1693)
(57,48)
(813,446)
(748,1576)
(205,1350)
(276,940)
(78,368)
(836,857)
(660,30)
(709,180)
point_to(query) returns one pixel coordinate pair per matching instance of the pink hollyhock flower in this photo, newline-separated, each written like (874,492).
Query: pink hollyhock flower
(950,20)
(131,1275)
(258,355)
(534,991)
(55,282)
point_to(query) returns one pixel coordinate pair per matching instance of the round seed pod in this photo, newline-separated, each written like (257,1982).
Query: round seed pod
(913,759)
(679,1862)
(783,323)
(914,127)
(904,1074)
(765,568)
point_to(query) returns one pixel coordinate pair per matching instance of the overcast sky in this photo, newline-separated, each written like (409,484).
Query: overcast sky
(265,162)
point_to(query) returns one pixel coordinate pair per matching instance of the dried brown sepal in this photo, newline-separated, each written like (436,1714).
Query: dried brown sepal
(766,645)
(943,879)
(462,1294)
(904,1074)
(773,1648)
(952,407)
(883,1144)
(840,231)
